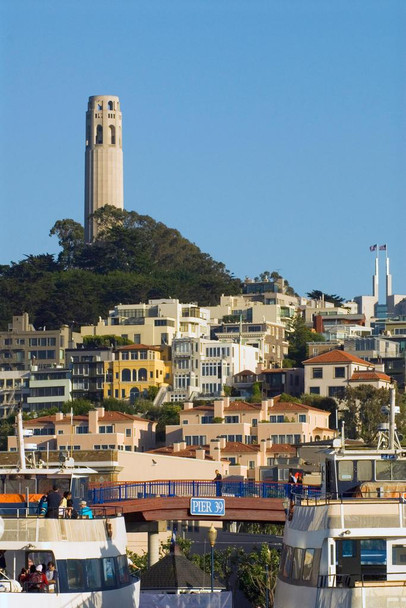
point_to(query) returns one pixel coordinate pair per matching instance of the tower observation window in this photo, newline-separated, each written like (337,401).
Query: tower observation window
(99,134)
(110,105)
(112,134)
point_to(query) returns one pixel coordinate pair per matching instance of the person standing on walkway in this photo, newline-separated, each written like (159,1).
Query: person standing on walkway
(218,480)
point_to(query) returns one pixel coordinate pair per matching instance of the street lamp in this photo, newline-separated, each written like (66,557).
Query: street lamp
(212,534)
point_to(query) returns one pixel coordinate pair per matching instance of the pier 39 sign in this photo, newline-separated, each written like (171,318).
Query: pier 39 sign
(208,506)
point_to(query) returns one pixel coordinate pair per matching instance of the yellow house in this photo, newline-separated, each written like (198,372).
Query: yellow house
(134,370)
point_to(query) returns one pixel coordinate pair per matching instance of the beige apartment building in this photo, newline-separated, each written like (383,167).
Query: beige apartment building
(330,373)
(249,423)
(155,323)
(98,430)
(22,345)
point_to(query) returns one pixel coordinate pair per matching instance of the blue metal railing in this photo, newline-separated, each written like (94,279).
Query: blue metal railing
(99,495)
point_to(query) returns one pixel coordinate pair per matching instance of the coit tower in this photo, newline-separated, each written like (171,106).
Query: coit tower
(104,158)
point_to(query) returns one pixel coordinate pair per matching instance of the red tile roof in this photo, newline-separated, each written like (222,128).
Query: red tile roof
(369,376)
(336,356)
(137,347)
(110,416)
(284,406)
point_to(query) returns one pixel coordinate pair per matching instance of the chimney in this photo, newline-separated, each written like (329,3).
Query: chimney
(58,416)
(223,442)
(179,445)
(188,405)
(94,419)
(219,407)
(215,449)
(200,454)
(263,446)
(264,409)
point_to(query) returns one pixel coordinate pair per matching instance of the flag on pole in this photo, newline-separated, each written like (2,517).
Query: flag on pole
(373,248)
(382,247)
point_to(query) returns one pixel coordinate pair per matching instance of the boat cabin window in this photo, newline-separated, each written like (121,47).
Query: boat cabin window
(109,574)
(364,470)
(93,578)
(75,574)
(308,564)
(297,564)
(287,566)
(391,469)
(398,555)
(39,557)
(345,470)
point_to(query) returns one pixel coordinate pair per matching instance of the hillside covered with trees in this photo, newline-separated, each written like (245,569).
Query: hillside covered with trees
(134,258)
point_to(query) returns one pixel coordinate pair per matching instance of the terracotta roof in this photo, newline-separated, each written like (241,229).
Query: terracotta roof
(281,448)
(110,416)
(323,428)
(369,376)
(199,408)
(238,446)
(188,452)
(336,356)
(238,406)
(137,347)
(285,406)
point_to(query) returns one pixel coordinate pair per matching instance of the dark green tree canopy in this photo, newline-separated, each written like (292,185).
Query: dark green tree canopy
(316,294)
(133,259)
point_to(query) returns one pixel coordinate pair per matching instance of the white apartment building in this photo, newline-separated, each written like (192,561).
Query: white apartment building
(48,388)
(156,323)
(201,367)
(242,307)
(13,390)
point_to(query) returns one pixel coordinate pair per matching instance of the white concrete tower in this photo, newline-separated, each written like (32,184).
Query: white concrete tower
(104,158)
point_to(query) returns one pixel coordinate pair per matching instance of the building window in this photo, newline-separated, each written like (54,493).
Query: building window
(314,390)
(81,430)
(272,418)
(142,374)
(108,428)
(231,419)
(337,392)
(317,372)
(126,375)
(112,134)
(302,417)
(99,134)
(280,418)
(128,448)
(339,372)
(128,432)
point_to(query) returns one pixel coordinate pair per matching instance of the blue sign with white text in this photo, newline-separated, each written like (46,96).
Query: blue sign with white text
(208,506)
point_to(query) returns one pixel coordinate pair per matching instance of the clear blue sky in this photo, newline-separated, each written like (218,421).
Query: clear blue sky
(270,133)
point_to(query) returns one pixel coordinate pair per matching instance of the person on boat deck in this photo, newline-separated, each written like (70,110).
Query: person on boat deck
(37,581)
(85,511)
(43,504)
(23,576)
(52,574)
(54,501)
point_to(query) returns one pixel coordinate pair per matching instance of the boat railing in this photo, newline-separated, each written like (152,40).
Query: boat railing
(350,580)
(31,511)
(100,494)
(303,499)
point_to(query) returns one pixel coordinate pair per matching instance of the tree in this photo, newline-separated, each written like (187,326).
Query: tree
(316,294)
(257,573)
(70,238)
(298,337)
(363,411)
(105,341)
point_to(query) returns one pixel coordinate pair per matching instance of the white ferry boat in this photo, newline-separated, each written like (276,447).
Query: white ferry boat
(89,554)
(347,547)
